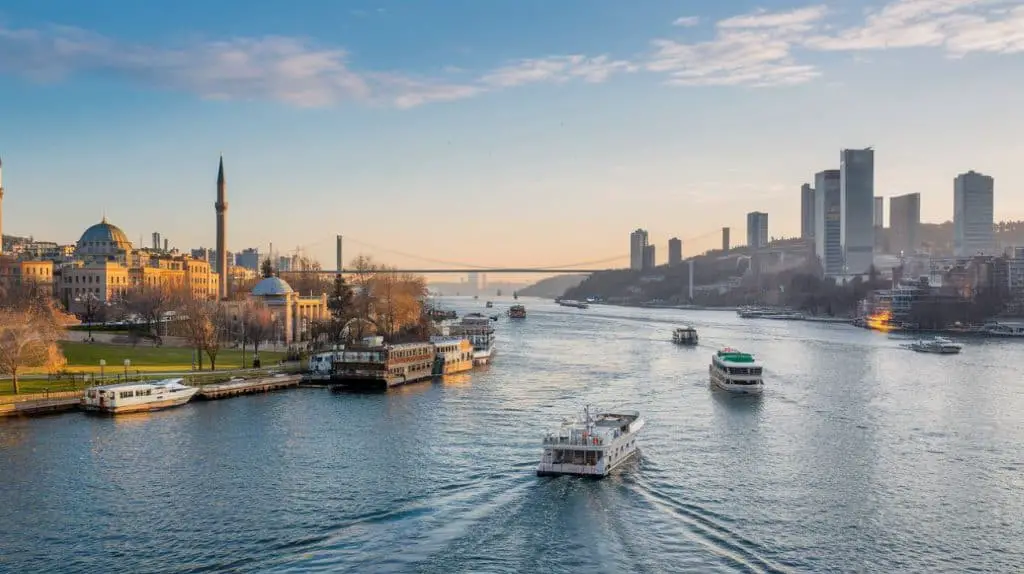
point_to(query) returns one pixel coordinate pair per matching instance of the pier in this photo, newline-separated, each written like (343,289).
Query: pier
(236,387)
(40,404)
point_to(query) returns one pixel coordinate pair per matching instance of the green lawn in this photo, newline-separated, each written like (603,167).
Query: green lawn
(85,357)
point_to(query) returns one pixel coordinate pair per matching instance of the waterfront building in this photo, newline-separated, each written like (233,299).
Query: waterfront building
(904,222)
(638,241)
(973,229)
(857,192)
(757,230)
(806,211)
(828,245)
(675,251)
(293,314)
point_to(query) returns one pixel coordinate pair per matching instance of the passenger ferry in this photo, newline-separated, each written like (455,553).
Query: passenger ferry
(452,355)
(322,364)
(592,445)
(937,345)
(137,397)
(378,367)
(517,312)
(736,372)
(489,304)
(480,332)
(685,336)
(995,329)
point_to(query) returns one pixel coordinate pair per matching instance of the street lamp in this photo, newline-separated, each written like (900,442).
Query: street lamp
(103,363)
(127,363)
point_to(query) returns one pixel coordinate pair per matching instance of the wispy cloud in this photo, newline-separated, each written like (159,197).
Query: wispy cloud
(760,48)
(686,21)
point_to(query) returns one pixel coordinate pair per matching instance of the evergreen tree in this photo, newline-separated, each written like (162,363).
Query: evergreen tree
(267,268)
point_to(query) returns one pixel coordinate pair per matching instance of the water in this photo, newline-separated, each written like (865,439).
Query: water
(860,456)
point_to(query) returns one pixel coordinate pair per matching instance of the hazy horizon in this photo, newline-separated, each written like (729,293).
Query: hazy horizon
(507,133)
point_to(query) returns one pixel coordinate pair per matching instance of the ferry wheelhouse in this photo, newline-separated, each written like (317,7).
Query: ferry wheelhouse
(685,336)
(452,355)
(592,445)
(478,329)
(378,367)
(517,312)
(736,372)
(137,397)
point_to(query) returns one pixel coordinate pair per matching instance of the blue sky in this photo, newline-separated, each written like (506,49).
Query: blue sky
(498,132)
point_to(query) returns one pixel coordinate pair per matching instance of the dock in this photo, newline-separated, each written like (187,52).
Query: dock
(41,404)
(236,387)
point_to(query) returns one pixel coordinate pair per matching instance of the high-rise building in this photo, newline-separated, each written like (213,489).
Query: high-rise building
(806,211)
(973,229)
(757,230)
(857,192)
(878,214)
(637,243)
(167,245)
(828,244)
(725,239)
(649,261)
(904,222)
(675,251)
(156,241)
(221,208)
(473,278)
(249,259)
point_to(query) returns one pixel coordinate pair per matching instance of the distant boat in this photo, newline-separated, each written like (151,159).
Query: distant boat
(515,295)
(499,292)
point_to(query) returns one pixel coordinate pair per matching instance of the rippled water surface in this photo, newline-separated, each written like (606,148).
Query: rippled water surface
(860,456)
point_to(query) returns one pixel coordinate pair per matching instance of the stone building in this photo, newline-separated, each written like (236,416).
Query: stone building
(293,314)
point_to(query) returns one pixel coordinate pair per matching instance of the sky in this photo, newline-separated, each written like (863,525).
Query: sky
(499,133)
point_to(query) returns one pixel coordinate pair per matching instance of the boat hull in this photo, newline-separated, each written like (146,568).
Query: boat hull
(378,384)
(158,405)
(718,381)
(585,471)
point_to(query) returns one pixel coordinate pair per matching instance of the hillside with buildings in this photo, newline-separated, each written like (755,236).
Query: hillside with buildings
(552,287)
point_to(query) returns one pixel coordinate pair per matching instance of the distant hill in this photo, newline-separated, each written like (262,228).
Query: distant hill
(552,286)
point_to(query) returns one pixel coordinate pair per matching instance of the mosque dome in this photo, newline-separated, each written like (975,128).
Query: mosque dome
(103,239)
(272,286)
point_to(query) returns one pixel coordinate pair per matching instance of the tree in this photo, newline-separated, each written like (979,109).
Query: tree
(267,268)
(257,324)
(93,311)
(364,269)
(307,276)
(29,331)
(149,304)
(204,322)
(398,299)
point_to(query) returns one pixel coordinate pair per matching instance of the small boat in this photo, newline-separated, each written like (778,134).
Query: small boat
(937,345)
(592,445)
(494,317)
(515,295)
(137,397)
(489,304)
(478,329)
(736,372)
(685,336)
(517,312)
(571,303)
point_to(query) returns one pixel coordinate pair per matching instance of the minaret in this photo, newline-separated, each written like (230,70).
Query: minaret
(222,214)
(1,207)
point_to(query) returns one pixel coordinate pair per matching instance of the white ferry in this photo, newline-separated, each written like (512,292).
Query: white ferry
(937,345)
(685,336)
(452,355)
(378,367)
(736,372)
(996,329)
(592,445)
(478,329)
(137,397)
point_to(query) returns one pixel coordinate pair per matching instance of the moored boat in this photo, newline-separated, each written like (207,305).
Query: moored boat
(489,304)
(936,345)
(480,332)
(452,355)
(685,336)
(592,445)
(517,312)
(137,397)
(996,329)
(736,372)
(374,366)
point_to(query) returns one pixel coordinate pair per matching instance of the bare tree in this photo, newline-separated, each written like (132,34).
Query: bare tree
(257,325)
(307,277)
(29,332)
(150,304)
(203,323)
(364,270)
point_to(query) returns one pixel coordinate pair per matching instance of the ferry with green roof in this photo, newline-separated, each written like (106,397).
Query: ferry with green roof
(737,372)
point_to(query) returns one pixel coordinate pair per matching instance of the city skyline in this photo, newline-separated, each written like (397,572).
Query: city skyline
(575,136)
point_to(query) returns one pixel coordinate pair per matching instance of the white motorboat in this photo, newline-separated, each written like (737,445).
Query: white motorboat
(736,372)
(137,397)
(937,345)
(592,445)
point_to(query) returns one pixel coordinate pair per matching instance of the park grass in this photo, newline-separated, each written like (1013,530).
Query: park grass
(85,358)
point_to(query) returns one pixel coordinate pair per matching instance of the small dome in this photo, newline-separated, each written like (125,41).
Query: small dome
(272,286)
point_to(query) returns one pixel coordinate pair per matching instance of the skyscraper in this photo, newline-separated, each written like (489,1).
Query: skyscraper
(725,239)
(675,251)
(222,245)
(904,221)
(637,243)
(973,231)
(857,193)
(156,241)
(806,211)
(828,244)
(757,230)
(649,260)
(878,214)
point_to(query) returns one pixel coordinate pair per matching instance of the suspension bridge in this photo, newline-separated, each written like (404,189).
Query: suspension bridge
(459,267)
